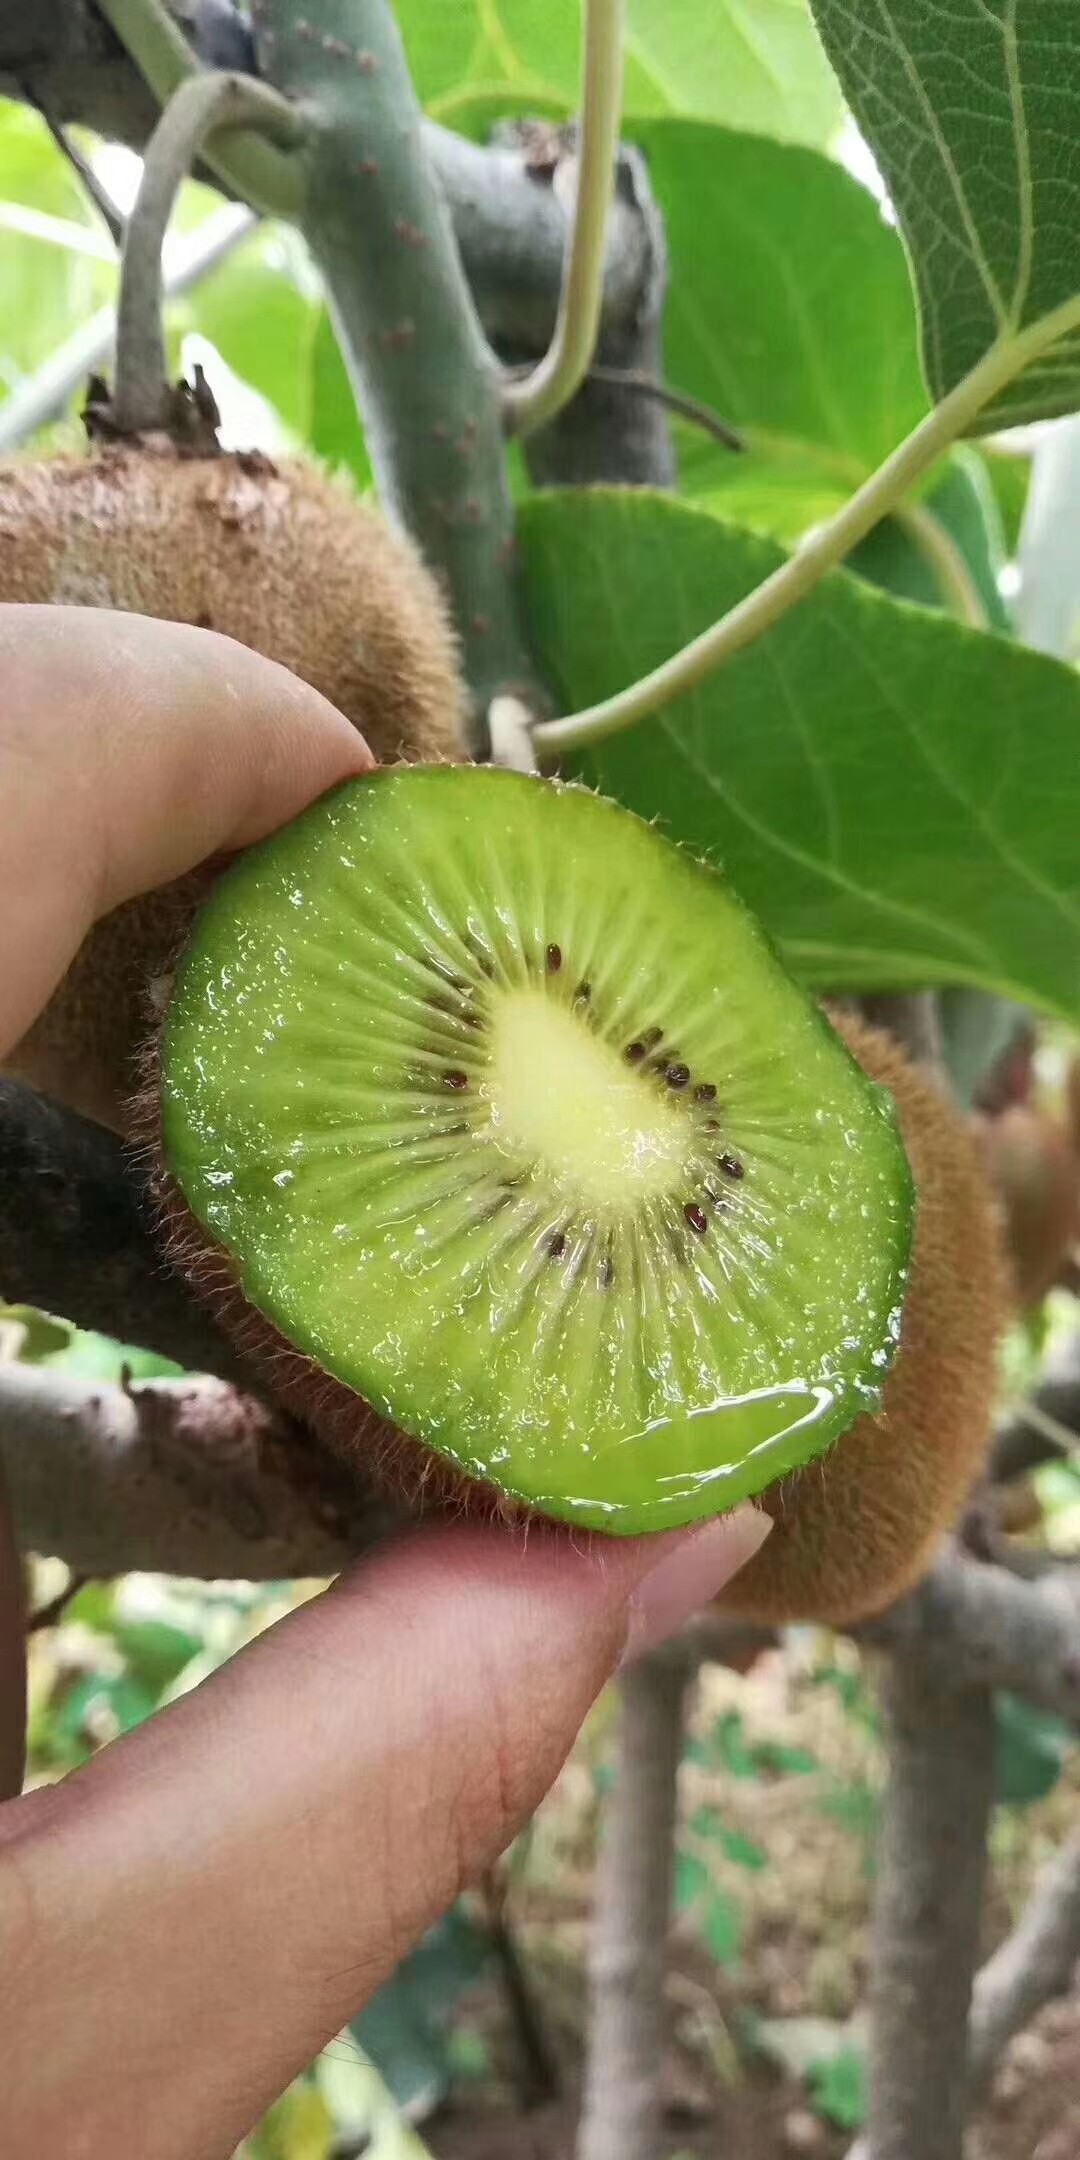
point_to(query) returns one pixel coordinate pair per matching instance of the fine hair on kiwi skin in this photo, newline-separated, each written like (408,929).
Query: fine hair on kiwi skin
(1031,1162)
(855,1529)
(273,555)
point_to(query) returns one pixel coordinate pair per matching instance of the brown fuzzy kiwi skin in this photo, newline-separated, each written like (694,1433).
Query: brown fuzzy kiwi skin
(280,559)
(390,1463)
(851,1531)
(857,1528)
(1030,1161)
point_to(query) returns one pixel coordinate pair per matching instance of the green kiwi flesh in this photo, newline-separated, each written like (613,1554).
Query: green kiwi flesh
(508,1115)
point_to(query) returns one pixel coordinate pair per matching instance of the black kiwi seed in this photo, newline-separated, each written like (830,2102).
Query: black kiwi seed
(583,993)
(557,1245)
(554,959)
(712,1124)
(731,1166)
(696,1217)
(652,1036)
(456,1078)
(705,1092)
(607,1271)
(677,1075)
(635,1051)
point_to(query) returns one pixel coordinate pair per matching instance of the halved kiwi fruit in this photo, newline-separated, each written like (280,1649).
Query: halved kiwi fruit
(503,1111)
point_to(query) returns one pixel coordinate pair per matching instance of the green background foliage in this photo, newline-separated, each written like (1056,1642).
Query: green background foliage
(974,114)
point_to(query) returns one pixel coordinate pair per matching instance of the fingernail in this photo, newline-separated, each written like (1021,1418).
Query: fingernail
(693,1570)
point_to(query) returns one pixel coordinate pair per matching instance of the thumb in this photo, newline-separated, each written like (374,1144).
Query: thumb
(238,1876)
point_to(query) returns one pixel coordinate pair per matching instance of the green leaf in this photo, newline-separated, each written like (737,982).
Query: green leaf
(94,1606)
(30,1335)
(723,1928)
(87,1356)
(156,1652)
(743,1850)
(895,795)
(947,550)
(1032,1749)
(789,308)
(856,1807)
(299,2126)
(97,1708)
(403,2029)
(785,1761)
(732,1749)
(1009,474)
(46,289)
(707,1822)
(838,2088)
(972,111)
(692,1880)
(332,424)
(754,63)
(364,2113)
(790,313)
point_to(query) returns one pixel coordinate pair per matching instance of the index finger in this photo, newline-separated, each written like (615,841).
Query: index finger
(130,750)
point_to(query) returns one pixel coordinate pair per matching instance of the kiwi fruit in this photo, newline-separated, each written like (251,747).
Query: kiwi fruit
(280,559)
(497,1132)
(1029,1159)
(854,1531)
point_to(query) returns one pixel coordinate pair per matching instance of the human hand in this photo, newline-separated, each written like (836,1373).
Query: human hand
(187,1920)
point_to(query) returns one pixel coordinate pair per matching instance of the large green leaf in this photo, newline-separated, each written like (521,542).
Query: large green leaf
(972,109)
(331,422)
(1032,1749)
(790,313)
(789,306)
(897,796)
(947,550)
(754,63)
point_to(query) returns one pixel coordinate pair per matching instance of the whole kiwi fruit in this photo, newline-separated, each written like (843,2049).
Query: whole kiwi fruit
(1030,1160)
(857,1528)
(273,555)
(500,1138)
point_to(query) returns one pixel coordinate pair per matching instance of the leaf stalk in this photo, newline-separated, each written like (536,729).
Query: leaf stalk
(819,552)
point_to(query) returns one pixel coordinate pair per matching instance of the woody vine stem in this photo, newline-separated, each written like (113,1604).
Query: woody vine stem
(203,105)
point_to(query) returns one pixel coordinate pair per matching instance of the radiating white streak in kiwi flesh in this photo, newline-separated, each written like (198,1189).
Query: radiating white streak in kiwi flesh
(511,1118)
